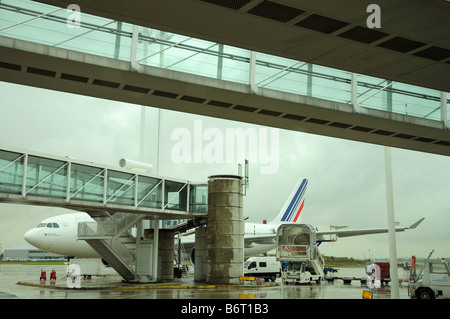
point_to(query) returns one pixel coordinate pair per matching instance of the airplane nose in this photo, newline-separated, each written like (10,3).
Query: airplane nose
(30,236)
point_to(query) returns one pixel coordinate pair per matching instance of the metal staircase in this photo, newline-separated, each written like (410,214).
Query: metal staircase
(111,240)
(180,258)
(120,261)
(315,264)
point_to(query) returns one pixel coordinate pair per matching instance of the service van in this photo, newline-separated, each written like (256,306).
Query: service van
(263,267)
(433,281)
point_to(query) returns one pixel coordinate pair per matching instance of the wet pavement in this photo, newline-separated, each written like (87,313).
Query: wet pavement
(22,282)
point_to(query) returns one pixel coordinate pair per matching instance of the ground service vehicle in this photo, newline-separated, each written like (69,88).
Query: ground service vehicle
(432,281)
(296,246)
(262,267)
(295,272)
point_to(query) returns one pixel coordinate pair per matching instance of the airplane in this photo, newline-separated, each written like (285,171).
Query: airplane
(58,234)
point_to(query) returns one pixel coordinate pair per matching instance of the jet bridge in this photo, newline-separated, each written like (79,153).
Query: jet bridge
(119,199)
(297,244)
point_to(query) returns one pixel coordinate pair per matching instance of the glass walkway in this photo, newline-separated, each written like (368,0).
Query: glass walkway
(48,181)
(54,48)
(56,27)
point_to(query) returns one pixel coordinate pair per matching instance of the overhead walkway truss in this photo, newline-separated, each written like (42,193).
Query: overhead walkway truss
(119,61)
(119,199)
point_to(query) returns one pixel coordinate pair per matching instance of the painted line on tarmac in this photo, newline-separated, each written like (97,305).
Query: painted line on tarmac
(146,287)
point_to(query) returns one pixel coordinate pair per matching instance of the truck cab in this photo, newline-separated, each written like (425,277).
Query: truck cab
(433,281)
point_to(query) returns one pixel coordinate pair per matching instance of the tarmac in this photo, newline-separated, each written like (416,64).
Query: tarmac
(22,282)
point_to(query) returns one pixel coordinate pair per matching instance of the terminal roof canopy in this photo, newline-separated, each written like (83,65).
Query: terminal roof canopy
(411,46)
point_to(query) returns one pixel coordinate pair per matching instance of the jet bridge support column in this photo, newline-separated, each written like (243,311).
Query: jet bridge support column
(225,230)
(200,264)
(166,248)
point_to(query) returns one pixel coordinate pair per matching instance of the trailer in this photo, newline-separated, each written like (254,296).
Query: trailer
(379,272)
(432,281)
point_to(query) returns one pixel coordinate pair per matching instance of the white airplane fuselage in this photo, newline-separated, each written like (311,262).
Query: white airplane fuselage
(59,235)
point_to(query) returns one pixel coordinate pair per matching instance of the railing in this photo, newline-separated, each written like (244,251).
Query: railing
(88,229)
(47,25)
(121,251)
(298,252)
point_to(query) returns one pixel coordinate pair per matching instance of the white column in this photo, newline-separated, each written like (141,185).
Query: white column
(252,73)
(135,66)
(391,225)
(155,249)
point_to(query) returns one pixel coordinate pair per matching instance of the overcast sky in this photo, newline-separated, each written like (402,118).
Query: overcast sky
(346,179)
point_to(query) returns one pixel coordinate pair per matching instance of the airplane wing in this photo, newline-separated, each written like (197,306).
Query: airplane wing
(321,235)
(268,239)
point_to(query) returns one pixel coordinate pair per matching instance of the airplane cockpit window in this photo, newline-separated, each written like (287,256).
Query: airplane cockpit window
(42,225)
(55,225)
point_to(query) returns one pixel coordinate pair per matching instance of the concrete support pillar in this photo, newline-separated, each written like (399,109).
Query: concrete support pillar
(165,253)
(225,231)
(200,264)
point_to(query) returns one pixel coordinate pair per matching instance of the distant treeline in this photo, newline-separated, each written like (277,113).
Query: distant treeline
(343,261)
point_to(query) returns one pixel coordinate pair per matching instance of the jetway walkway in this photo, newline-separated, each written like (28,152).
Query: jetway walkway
(117,199)
(119,61)
(38,179)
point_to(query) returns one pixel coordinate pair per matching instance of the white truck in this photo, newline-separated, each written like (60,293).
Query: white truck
(432,281)
(263,267)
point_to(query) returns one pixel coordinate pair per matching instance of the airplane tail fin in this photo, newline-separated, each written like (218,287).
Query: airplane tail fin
(290,212)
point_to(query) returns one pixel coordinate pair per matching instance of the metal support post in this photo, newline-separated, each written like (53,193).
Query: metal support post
(69,170)
(155,249)
(444,116)
(118,38)
(24,175)
(135,66)
(252,74)
(105,185)
(188,195)
(220,62)
(309,80)
(354,92)
(391,225)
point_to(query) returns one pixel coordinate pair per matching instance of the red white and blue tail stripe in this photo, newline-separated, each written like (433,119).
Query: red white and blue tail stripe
(294,205)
